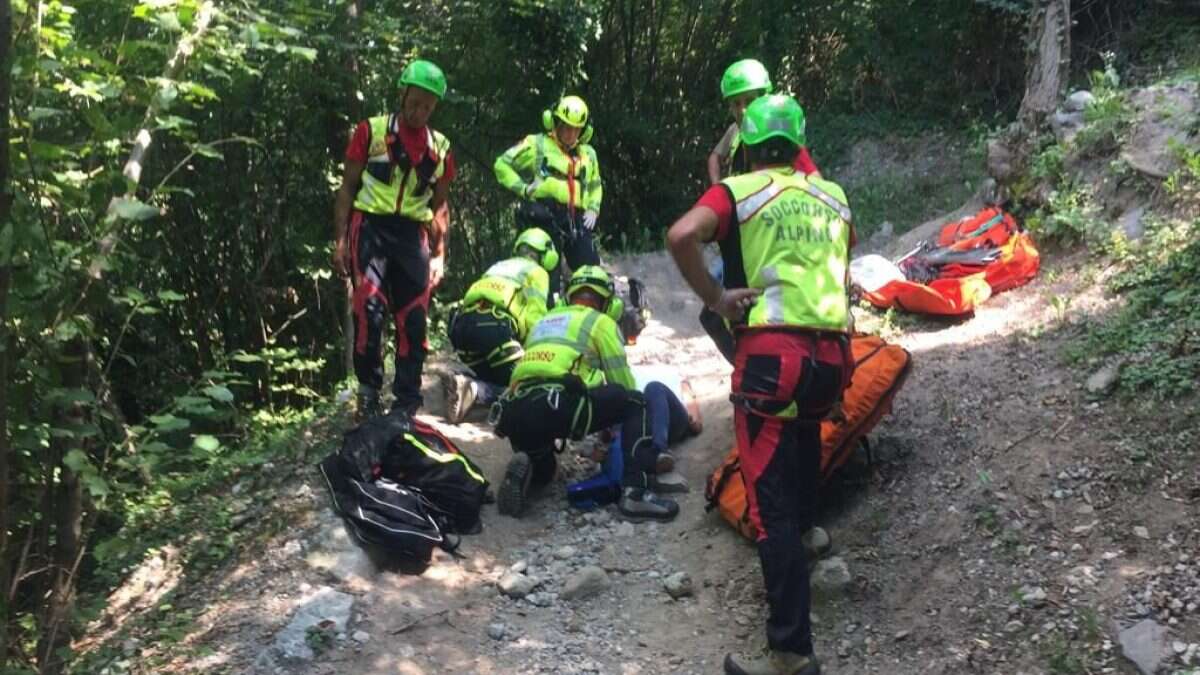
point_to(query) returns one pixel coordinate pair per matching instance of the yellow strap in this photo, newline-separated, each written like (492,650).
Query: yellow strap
(444,457)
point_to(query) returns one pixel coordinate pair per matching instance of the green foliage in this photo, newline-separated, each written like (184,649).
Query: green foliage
(1157,331)
(1070,216)
(1108,117)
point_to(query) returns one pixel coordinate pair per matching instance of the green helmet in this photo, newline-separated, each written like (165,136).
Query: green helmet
(537,239)
(743,76)
(572,111)
(771,116)
(593,277)
(426,75)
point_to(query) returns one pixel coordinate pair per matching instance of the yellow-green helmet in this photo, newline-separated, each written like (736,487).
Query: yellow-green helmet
(426,75)
(593,277)
(570,110)
(743,76)
(537,239)
(773,116)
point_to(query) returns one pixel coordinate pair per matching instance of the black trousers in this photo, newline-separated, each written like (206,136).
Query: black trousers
(486,343)
(390,261)
(574,243)
(536,417)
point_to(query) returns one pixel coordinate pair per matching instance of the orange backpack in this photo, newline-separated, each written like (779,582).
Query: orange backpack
(879,371)
(1010,259)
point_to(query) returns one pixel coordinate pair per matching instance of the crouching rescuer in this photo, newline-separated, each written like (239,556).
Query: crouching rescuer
(573,380)
(785,243)
(495,318)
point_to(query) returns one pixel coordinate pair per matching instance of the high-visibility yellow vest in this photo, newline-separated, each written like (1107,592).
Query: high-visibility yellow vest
(794,235)
(575,340)
(391,183)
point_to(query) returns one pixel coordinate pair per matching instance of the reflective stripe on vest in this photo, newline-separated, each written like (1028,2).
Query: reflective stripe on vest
(560,345)
(794,235)
(391,184)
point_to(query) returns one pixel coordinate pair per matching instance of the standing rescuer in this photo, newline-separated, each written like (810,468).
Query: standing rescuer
(785,242)
(572,381)
(390,222)
(557,176)
(497,314)
(742,82)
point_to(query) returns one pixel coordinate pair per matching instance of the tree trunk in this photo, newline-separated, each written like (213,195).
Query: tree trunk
(354,11)
(1049,45)
(5,343)
(67,514)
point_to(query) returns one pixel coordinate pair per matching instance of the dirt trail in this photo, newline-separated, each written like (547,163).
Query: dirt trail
(994,533)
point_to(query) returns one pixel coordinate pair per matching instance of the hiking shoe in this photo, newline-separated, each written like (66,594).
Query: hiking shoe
(664,463)
(513,496)
(772,663)
(366,406)
(460,396)
(640,504)
(669,483)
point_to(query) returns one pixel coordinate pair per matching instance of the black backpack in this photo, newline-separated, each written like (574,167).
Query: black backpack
(402,488)
(392,522)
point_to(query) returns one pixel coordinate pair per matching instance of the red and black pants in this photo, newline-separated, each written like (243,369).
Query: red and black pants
(390,258)
(779,446)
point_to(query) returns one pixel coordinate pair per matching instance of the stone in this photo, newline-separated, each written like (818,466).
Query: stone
(816,542)
(1102,381)
(292,548)
(517,585)
(1079,101)
(565,552)
(1066,125)
(361,637)
(1131,223)
(1014,626)
(1141,532)
(326,609)
(678,585)
(626,529)
(1145,644)
(999,160)
(1034,596)
(831,575)
(540,599)
(587,582)
(1162,130)
(496,631)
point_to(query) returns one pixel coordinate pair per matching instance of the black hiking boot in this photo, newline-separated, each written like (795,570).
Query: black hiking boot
(772,662)
(640,504)
(513,496)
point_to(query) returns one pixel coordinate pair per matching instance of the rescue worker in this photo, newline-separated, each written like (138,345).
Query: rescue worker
(557,176)
(572,381)
(390,223)
(785,241)
(495,318)
(742,82)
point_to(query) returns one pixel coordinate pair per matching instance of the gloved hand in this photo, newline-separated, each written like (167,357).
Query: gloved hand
(531,188)
(589,220)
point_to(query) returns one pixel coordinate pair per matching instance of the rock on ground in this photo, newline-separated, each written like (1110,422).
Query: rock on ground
(831,575)
(324,605)
(1145,644)
(588,581)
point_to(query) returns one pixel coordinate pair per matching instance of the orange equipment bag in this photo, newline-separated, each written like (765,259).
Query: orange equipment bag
(965,264)
(879,371)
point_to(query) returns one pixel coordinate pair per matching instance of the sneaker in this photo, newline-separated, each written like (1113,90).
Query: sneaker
(669,483)
(513,496)
(664,463)
(366,406)
(460,396)
(772,663)
(640,504)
